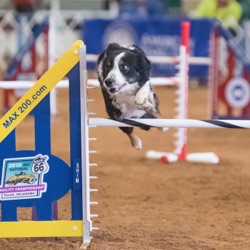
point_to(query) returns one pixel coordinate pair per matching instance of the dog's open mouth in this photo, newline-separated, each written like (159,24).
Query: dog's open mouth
(116,89)
(112,90)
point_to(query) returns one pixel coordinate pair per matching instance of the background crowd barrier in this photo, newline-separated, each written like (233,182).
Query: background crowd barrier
(229,76)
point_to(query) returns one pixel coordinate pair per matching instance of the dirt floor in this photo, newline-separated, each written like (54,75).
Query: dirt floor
(145,204)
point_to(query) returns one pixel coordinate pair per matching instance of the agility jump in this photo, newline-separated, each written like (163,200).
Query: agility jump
(181,81)
(40,168)
(75,177)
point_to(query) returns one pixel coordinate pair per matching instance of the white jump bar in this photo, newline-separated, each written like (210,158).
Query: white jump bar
(171,123)
(165,59)
(156,81)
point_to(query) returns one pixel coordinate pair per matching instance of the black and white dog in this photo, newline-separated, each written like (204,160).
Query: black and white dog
(123,73)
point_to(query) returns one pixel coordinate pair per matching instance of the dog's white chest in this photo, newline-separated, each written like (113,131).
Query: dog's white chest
(126,104)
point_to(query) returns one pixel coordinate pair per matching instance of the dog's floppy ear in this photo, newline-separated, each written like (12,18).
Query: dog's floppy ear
(140,52)
(102,57)
(100,60)
(113,46)
(143,62)
(136,48)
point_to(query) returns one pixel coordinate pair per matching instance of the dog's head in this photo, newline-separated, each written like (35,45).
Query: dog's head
(120,67)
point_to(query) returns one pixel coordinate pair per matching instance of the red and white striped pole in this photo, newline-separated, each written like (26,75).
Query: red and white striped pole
(182,99)
(184,84)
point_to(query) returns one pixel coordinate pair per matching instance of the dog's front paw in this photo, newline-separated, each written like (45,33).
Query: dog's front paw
(148,107)
(115,103)
(141,98)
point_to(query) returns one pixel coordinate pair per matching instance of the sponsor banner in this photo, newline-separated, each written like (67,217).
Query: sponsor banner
(230,77)
(157,37)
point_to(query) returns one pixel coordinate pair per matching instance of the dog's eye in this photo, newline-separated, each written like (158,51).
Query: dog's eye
(123,67)
(108,67)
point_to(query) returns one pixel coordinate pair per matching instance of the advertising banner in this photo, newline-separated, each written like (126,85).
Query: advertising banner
(157,37)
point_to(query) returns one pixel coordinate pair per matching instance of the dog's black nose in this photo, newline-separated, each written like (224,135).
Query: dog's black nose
(109,82)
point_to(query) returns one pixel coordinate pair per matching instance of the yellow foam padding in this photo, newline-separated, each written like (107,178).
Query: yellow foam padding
(59,228)
(40,89)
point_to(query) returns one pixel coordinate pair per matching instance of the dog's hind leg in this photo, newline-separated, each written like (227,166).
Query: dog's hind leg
(134,139)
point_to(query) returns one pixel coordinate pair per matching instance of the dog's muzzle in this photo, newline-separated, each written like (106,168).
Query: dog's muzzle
(109,82)
(111,86)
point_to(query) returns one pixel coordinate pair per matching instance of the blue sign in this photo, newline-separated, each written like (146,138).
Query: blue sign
(157,37)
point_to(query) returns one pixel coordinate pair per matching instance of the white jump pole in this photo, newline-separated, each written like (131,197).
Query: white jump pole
(156,81)
(165,59)
(204,157)
(170,123)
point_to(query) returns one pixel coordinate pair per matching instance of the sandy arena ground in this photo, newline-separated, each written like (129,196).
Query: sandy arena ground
(148,205)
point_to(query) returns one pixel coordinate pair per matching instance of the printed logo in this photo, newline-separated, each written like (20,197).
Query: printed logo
(22,178)
(238,92)
(120,32)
